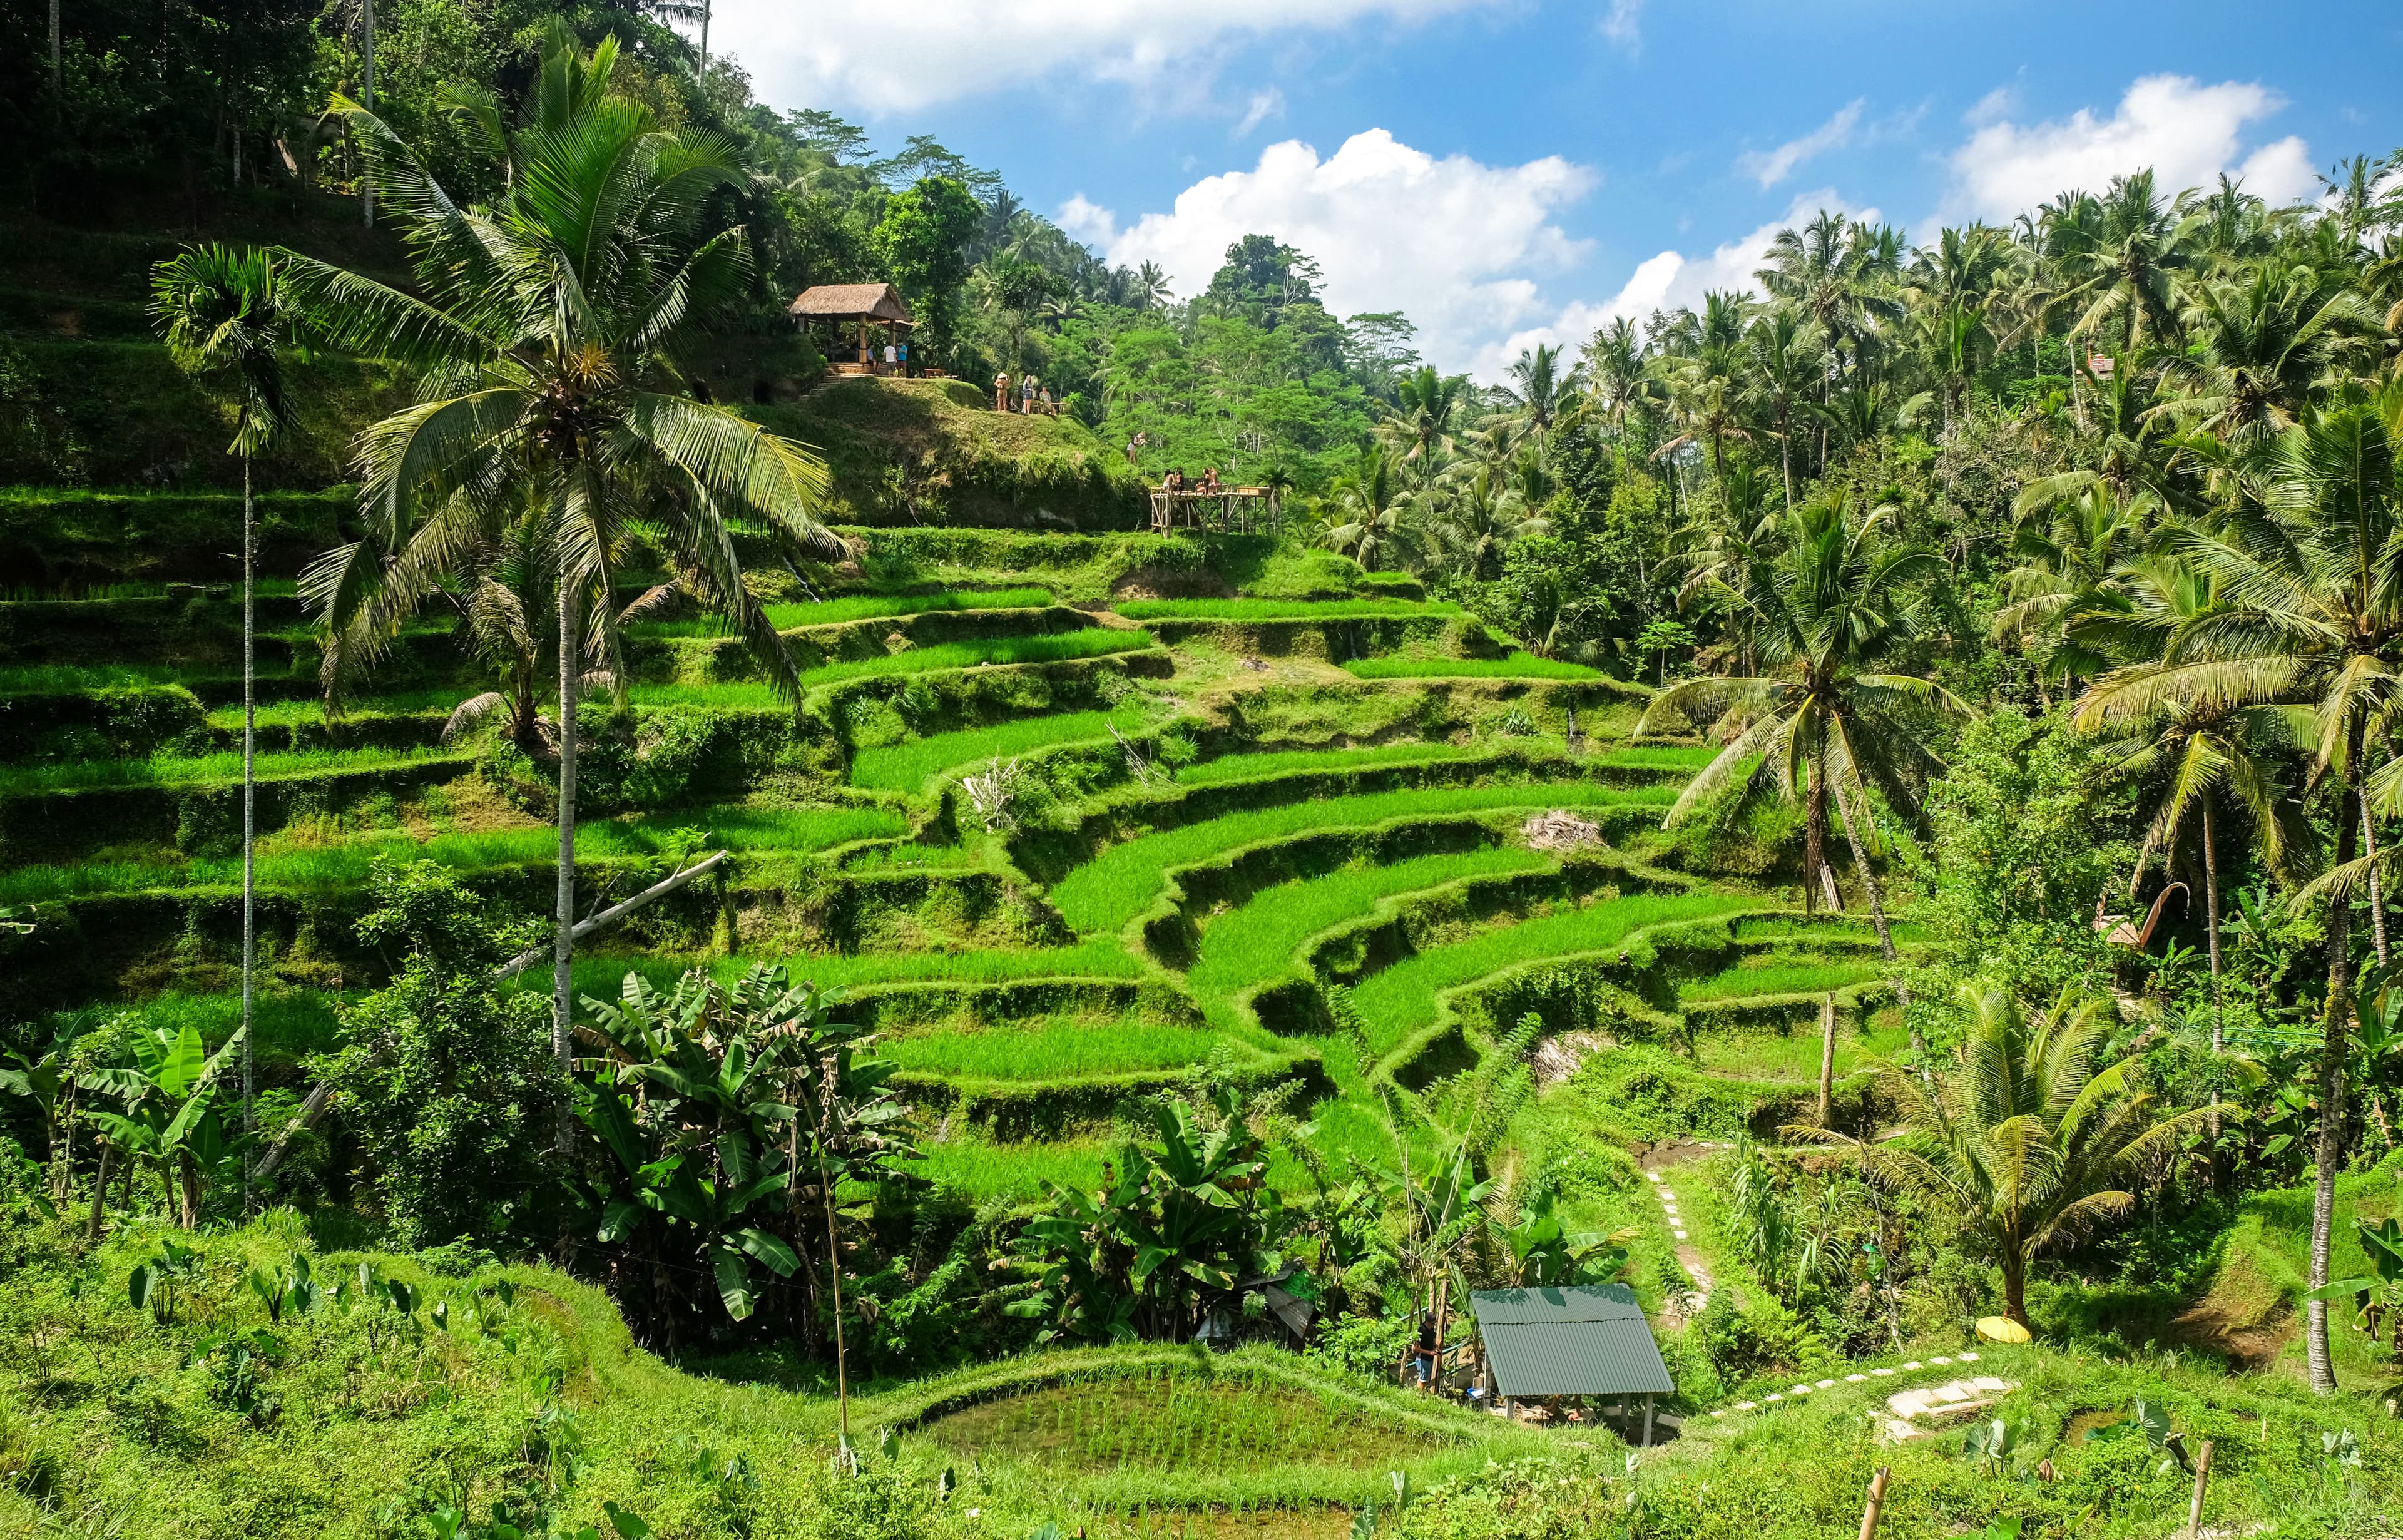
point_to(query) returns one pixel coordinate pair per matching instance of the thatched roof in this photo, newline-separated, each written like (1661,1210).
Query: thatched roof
(853,302)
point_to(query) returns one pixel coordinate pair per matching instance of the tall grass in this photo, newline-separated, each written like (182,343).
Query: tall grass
(1282,609)
(1659,757)
(346,863)
(1518,665)
(869,606)
(172,770)
(905,767)
(977,1169)
(1400,1000)
(1255,943)
(1779,978)
(1125,880)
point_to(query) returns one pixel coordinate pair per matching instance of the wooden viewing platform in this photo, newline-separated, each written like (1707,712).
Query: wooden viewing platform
(1231,510)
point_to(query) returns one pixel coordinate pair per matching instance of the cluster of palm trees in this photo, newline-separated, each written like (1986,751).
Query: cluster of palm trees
(2213,587)
(1446,486)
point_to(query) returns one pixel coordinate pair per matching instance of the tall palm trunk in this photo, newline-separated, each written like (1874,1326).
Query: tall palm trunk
(56,79)
(2333,1053)
(562,957)
(704,38)
(2211,914)
(367,99)
(249,814)
(1814,835)
(1852,826)
(2377,895)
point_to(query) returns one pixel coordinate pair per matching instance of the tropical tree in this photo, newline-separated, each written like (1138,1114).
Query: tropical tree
(547,329)
(1481,518)
(1425,407)
(2027,1141)
(2123,262)
(1541,390)
(1363,513)
(2271,338)
(1819,724)
(2069,572)
(2308,567)
(1784,365)
(164,1081)
(227,317)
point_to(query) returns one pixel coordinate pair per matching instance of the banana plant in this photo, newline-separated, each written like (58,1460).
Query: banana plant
(1543,1254)
(2377,1293)
(49,1082)
(166,1083)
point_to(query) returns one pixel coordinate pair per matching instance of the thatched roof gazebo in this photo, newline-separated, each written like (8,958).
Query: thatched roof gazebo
(864,305)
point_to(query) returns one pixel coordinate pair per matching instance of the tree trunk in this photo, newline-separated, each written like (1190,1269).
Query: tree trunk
(57,78)
(705,39)
(1827,889)
(2015,1280)
(2333,1051)
(187,1175)
(249,819)
(2377,895)
(1785,455)
(1815,833)
(99,1191)
(834,1280)
(367,99)
(1827,1062)
(2211,913)
(562,956)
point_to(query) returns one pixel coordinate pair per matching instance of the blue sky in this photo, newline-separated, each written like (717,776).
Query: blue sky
(1511,171)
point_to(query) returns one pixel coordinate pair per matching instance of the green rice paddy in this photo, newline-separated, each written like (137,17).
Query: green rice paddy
(1779,976)
(174,769)
(1282,609)
(1093,641)
(1123,880)
(1518,665)
(1245,767)
(1256,942)
(1052,1049)
(905,767)
(1400,1000)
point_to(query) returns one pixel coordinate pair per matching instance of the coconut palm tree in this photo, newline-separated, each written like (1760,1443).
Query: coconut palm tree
(1543,391)
(2199,762)
(1818,723)
(2309,566)
(2027,1142)
(2124,264)
(1838,271)
(1426,407)
(1478,521)
(546,336)
(226,315)
(1784,365)
(2271,336)
(2069,570)
(1362,516)
(1615,372)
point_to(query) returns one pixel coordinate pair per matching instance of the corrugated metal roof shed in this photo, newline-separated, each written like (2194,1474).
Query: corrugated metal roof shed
(875,301)
(1583,1340)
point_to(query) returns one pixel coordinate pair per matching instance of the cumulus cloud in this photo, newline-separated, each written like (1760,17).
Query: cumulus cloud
(1770,167)
(1457,245)
(880,56)
(1664,282)
(2189,133)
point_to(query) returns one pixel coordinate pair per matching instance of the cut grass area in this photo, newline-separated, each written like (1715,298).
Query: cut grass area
(1105,892)
(871,606)
(294,714)
(1052,1048)
(1518,665)
(1282,609)
(1780,976)
(176,770)
(977,1168)
(329,867)
(1252,944)
(1400,1000)
(1778,927)
(1793,1057)
(1659,757)
(905,767)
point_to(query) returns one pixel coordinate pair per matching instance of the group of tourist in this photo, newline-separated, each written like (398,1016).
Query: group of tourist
(1032,395)
(1209,486)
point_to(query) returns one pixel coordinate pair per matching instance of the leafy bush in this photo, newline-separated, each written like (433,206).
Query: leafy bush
(448,1077)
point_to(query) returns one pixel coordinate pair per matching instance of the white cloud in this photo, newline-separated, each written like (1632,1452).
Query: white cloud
(1455,244)
(1263,106)
(1622,23)
(1088,221)
(899,55)
(1770,167)
(2189,133)
(1666,281)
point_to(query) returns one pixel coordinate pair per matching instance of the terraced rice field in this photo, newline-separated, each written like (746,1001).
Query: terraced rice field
(1400,1001)
(905,767)
(1773,976)
(1106,892)
(1282,609)
(1060,1049)
(1246,947)
(1518,665)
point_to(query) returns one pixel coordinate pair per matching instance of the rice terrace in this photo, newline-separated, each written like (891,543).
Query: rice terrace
(709,832)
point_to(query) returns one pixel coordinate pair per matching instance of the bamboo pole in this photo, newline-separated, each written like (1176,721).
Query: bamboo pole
(1876,1502)
(2202,1479)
